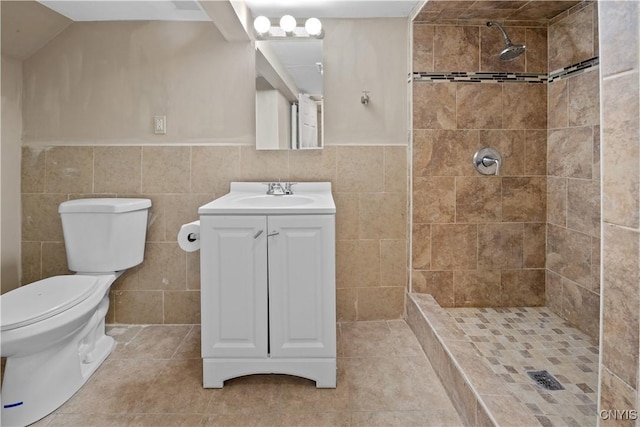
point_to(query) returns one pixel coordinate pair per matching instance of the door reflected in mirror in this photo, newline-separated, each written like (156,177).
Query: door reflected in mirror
(289,101)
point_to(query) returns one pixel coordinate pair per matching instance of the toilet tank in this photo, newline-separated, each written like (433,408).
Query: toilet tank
(104,235)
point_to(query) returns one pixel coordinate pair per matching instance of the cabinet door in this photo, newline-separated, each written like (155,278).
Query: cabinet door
(233,260)
(302,286)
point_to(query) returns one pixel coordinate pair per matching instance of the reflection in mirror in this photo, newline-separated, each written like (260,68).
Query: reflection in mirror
(289,94)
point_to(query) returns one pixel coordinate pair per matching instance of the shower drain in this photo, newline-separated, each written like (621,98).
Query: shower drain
(545,379)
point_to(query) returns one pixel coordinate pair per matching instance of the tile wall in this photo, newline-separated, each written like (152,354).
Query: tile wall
(619,373)
(370,190)
(573,173)
(478,240)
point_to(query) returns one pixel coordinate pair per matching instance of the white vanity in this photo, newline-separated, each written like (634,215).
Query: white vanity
(268,283)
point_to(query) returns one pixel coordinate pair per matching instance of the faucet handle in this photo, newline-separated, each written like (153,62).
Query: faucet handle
(287,187)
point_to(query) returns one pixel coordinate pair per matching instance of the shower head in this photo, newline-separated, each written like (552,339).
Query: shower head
(511,51)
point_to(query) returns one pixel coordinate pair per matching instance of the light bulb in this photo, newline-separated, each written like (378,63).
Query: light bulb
(313,26)
(288,23)
(262,24)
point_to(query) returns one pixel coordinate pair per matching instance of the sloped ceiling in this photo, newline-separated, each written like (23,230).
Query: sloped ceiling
(27,26)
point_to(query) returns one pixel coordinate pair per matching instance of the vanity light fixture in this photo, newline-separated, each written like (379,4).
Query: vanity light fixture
(288,28)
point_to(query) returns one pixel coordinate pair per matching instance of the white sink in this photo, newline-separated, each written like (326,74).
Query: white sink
(265,200)
(250,198)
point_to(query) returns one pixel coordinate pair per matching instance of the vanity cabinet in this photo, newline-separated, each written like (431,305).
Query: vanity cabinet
(268,296)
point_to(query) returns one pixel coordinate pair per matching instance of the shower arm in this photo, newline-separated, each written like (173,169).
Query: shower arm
(506,38)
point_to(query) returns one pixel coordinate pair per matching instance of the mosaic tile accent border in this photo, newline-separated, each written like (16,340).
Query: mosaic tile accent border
(465,77)
(574,70)
(503,77)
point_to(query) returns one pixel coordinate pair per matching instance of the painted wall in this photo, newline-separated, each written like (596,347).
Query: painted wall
(573,174)
(478,240)
(88,115)
(10,155)
(620,373)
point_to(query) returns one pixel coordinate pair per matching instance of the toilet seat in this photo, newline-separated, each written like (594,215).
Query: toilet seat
(43,299)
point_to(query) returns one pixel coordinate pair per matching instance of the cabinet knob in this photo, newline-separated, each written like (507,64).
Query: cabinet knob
(255,236)
(275,233)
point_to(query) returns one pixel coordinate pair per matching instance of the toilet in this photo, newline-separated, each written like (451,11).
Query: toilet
(52,331)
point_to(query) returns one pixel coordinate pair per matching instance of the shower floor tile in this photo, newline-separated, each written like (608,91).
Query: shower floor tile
(516,340)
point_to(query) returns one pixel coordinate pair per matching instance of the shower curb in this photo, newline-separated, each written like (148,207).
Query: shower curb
(480,397)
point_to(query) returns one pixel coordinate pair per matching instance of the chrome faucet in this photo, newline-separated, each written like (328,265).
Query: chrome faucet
(279,189)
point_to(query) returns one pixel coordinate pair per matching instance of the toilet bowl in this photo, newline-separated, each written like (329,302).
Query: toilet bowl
(52,331)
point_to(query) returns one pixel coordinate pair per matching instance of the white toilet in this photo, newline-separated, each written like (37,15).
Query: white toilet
(52,331)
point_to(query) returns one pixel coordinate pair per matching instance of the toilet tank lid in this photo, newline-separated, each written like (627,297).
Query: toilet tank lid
(104,205)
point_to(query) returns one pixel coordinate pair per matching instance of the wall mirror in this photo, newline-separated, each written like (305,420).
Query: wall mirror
(289,100)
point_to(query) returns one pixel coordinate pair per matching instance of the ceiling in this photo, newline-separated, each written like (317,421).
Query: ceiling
(515,12)
(191,10)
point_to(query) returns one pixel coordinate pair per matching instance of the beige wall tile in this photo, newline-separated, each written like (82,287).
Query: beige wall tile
(166,169)
(479,106)
(535,152)
(213,168)
(117,170)
(54,259)
(621,261)
(157,221)
(522,288)
(570,152)
(557,201)
(596,251)
(584,99)
(558,104)
(69,170)
(346,304)
(313,165)
(569,254)
(511,146)
(164,268)
(535,239)
(492,43)
(31,262)
(40,218)
(422,47)
(434,199)
(263,165)
(347,215)
(421,242)
(438,284)
(383,216)
(615,394)
(476,288)
(360,169)
(182,307)
(536,53)
(583,206)
(395,169)
(434,106)
(581,307)
(620,166)
(380,303)
(553,292)
(478,199)
(454,246)
(393,263)
(141,307)
(181,209)
(571,40)
(33,169)
(531,114)
(621,30)
(456,48)
(500,245)
(193,270)
(524,199)
(445,153)
(357,263)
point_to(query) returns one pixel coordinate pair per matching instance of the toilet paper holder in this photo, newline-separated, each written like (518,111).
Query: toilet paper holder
(192,237)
